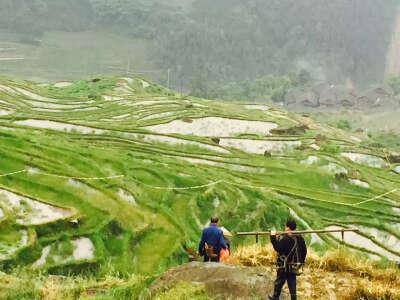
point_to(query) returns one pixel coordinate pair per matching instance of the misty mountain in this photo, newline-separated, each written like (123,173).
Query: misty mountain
(209,43)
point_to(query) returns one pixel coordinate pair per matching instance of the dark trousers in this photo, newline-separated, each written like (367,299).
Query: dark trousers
(214,259)
(281,278)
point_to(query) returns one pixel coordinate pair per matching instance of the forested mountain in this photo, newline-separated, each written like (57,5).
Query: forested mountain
(206,43)
(33,17)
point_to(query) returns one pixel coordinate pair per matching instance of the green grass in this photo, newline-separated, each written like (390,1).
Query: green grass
(92,89)
(151,234)
(185,291)
(380,129)
(384,139)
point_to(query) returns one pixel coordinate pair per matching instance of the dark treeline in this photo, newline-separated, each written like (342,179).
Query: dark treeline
(207,43)
(34,17)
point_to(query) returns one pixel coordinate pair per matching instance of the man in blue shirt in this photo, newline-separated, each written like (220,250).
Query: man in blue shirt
(212,236)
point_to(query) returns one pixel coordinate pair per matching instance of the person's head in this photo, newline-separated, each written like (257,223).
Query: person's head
(214,220)
(290,225)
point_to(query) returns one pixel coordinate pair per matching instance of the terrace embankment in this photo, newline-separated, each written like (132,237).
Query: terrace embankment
(133,171)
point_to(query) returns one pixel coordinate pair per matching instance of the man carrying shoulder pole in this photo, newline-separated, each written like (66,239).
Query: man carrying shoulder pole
(212,241)
(292,253)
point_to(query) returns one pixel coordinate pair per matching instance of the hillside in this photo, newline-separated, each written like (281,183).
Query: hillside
(204,44)
(120,175)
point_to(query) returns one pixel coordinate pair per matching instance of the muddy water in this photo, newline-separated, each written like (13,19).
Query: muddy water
(260,146)
(58,126)
(31,212)
(355,239)
(214,126)
(364,159)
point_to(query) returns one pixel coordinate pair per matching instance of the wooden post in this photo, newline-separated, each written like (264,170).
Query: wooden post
(299,232)
(257,238)
(342,235)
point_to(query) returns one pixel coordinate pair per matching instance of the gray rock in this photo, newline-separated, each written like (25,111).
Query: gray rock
(221,281)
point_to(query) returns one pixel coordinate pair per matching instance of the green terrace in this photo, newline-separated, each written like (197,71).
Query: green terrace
(123,173)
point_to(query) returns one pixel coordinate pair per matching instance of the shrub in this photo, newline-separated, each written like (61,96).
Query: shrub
(330,148)
(343,124)
(185,290)
(394,83)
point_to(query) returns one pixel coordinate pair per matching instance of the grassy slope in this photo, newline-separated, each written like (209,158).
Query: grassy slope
(153,234)
(382,125)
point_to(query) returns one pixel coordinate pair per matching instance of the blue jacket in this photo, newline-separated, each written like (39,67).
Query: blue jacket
(212,235)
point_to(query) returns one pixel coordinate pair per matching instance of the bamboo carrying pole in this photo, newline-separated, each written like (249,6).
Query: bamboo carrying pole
(299,232)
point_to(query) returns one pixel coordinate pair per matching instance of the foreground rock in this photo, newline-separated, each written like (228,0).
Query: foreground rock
(221,281)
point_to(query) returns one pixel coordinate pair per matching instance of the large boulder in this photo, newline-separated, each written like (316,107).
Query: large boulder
(221,281)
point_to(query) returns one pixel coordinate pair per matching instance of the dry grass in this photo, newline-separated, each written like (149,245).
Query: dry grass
(254,255)
(60,288)
(338,274)
(371,290)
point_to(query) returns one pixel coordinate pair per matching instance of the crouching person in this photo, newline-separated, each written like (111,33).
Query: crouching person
(225,253)
(292,253)
(212,241)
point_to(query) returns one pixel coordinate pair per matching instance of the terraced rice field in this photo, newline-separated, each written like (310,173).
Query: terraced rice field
(122,172)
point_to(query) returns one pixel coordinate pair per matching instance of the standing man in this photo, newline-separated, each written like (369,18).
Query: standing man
(212,241)
(292,253)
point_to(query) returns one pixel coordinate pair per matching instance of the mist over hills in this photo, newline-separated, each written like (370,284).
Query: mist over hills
(109,179)
(205,43)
